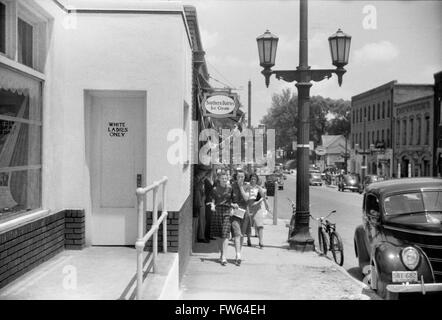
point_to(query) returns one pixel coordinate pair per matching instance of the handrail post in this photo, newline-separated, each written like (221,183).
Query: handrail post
(164,209)
(139,245)
(155,235)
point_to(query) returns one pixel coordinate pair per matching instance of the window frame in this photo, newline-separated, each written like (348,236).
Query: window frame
(39,20)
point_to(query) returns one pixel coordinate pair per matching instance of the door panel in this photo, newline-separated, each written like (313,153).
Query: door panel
(117,157)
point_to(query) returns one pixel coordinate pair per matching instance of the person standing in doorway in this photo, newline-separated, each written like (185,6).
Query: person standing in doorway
(222,197)
(208,189)
(199,206)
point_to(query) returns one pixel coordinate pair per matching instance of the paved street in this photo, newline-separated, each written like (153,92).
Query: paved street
(322,201)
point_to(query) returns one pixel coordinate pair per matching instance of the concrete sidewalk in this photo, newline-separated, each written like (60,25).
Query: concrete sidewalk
(271,273)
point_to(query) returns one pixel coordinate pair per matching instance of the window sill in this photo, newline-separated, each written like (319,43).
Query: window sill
(21,67)
(20,221)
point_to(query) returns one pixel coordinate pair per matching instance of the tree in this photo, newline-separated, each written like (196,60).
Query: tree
(283,117)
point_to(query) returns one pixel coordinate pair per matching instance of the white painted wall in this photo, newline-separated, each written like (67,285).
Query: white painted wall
(149,52)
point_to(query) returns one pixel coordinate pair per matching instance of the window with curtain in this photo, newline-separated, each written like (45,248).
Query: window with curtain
(25,32)
(20,144)
(2,27)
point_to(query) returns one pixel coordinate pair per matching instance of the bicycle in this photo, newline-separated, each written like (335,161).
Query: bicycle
(334,241)
(291,225)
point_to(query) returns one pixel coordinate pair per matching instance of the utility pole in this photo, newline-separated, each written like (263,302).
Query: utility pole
(250,105)
(249,118)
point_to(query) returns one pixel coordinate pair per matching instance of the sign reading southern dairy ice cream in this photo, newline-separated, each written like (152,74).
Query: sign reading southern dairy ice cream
(220,105)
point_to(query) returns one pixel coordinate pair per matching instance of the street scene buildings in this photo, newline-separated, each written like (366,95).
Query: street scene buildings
(132,167)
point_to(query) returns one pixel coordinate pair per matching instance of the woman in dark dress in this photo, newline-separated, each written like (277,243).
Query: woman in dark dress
(222,196)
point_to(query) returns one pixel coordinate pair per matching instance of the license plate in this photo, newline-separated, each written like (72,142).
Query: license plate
(404,276)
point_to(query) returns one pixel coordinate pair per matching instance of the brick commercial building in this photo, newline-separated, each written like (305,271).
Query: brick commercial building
(437,171)
(372,113)
(88,94)
(413,137)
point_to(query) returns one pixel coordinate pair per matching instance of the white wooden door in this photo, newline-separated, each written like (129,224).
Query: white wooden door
(117,160)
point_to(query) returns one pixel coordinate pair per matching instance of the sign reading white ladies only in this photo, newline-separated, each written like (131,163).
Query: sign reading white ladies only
(229,147)
(117,129)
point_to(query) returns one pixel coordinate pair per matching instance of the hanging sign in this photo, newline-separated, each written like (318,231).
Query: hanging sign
(220,104)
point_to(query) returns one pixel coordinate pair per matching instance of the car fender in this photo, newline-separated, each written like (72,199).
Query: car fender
(387,258)
(361,250)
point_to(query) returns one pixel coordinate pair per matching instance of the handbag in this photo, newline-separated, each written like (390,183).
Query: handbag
(239,213)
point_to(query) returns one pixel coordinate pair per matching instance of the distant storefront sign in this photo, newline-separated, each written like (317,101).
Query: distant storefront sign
(220,105)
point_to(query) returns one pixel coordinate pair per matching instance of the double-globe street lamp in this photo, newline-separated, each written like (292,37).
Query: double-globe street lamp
(340,48)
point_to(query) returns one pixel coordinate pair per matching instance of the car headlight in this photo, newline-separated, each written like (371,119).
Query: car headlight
(410,257)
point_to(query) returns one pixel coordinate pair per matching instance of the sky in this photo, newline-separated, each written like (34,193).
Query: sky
(391,40)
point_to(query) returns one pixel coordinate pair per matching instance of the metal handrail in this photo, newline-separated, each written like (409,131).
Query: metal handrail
(153,232)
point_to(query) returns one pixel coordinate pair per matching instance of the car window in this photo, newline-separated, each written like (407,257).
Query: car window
(432,200)
(371,203)
(404,203)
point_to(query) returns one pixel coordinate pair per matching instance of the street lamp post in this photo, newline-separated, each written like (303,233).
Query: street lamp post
(339,47)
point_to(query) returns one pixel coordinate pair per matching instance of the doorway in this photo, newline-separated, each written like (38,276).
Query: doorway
(115,144)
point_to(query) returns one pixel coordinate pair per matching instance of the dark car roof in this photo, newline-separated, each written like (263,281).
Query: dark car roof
(403,184)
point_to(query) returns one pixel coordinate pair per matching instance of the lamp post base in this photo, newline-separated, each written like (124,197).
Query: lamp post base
(302,242)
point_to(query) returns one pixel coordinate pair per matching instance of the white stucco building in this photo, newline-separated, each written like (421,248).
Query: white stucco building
(89,91)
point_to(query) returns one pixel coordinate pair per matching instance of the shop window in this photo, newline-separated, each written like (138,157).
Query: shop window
(20,145)
(25,51)
(2,27)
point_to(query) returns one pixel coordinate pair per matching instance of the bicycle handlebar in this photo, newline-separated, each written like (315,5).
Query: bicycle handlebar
(322,218)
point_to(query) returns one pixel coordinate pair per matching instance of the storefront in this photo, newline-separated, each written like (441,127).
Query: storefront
(86,111)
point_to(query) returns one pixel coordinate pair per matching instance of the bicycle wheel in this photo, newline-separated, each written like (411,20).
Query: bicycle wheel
(337,248)
(322,239)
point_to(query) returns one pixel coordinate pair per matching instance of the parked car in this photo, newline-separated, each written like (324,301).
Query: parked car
(315,179)
(368,179)
(349,182)
(399,244)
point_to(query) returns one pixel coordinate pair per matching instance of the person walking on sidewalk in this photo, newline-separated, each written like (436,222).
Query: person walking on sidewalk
(222,197)
(240,226)
(255,198)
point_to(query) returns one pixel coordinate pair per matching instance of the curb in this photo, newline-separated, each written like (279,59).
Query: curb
(356,281)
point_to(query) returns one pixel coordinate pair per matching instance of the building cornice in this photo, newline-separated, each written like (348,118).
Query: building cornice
(370,92)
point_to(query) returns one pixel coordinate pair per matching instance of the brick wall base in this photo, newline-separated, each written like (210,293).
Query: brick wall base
(27,246)
(179,233)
